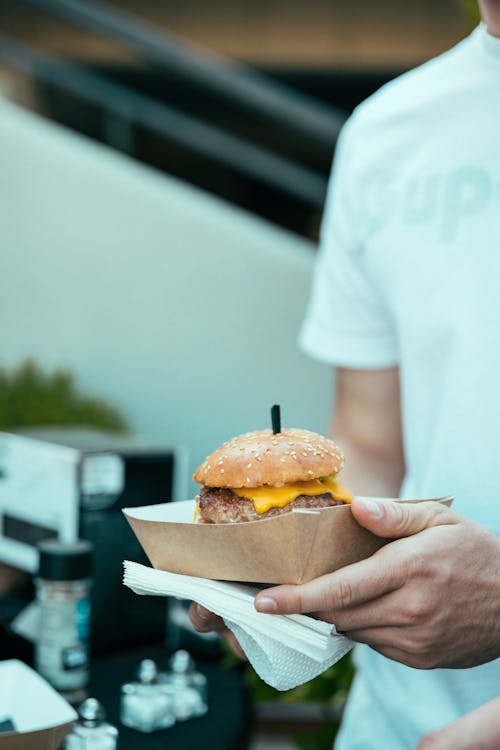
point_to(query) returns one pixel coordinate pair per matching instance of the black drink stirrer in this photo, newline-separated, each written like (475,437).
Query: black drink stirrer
(276,418)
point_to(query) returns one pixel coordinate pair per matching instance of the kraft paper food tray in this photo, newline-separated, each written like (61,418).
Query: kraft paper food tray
(42,718)
(290,548)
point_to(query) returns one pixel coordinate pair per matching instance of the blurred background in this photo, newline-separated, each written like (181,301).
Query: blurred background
(163,169)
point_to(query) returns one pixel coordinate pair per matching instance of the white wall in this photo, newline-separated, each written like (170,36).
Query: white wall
(178,308)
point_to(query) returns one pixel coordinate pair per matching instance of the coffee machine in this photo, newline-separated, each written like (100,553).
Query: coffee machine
(70,483)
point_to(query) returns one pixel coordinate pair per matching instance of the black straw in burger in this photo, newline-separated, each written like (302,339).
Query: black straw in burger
(276,418)
(263,473)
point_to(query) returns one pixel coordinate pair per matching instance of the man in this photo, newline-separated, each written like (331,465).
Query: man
(405,305)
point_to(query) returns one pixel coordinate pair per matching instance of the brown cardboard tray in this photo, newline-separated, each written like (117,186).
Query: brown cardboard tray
(291,548)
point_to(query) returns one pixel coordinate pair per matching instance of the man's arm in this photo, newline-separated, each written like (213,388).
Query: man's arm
(430,598)
(367,425)
(479,729)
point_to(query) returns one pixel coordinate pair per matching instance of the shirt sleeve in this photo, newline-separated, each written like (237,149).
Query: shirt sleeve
(347,322)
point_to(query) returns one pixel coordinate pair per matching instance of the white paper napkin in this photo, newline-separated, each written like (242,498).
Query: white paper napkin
(284,650)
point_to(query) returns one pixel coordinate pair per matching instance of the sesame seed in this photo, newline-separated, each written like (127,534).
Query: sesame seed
(304,454)
(248,479)
(309,471)
(222,471)
(282,460)
(249,466)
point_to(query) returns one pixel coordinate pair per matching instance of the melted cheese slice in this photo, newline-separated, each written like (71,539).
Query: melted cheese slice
(338,490)
(267,497)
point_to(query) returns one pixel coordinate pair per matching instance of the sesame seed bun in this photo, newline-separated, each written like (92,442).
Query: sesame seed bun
(264,458)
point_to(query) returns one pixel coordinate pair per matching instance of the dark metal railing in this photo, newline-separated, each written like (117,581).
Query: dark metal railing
(125,108)
(230,81)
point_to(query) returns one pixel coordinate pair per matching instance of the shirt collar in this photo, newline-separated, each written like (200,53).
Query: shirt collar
(487,44)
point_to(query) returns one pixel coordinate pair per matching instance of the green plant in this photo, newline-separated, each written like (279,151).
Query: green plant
(318,739)
(329,690)
(31,396)
(471,10)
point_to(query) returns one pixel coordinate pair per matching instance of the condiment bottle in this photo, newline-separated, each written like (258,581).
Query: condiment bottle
(186,686)
(91,731)
(63,594)
(144,705)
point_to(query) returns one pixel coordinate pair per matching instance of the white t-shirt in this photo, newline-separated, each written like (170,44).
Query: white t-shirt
(409,273)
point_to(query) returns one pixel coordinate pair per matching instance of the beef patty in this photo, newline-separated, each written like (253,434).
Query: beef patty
(222,505)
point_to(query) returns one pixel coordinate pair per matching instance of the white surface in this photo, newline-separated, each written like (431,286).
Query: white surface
(177,307)
(27,622)
(180,512)
(285,650)
(30,701)
(103,473)
(39,486)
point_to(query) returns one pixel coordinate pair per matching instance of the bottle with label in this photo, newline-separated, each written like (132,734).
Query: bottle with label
(144,705)
(63,596)
(91,731)
(186,686)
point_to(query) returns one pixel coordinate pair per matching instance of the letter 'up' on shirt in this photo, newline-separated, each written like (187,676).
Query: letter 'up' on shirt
(411,222)
(347,322)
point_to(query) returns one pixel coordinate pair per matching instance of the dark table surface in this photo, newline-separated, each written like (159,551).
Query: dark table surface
(226,725)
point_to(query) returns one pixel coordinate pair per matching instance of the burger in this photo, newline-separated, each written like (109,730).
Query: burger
(264,473)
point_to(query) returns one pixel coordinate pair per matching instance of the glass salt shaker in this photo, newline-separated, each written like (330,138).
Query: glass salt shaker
(91,732)
(144,705)
(186,686)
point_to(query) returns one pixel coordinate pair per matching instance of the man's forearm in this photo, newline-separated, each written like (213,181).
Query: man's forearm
(479,729)
(367,425)
(368,472)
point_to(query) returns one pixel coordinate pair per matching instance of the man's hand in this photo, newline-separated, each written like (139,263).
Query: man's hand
(205,621)
(477,730)
(429,599)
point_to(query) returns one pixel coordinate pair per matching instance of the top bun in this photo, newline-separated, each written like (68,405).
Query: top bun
(264,457)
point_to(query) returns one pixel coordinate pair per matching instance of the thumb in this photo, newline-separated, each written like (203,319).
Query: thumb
(393,519)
